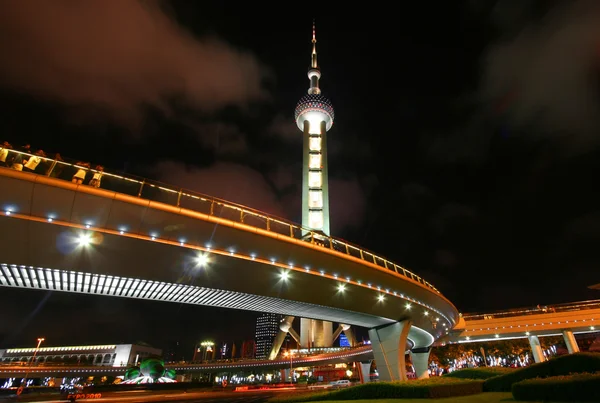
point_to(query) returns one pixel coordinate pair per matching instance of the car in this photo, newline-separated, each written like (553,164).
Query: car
(342,383)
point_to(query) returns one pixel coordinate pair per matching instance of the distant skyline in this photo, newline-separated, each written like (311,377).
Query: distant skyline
(465,145)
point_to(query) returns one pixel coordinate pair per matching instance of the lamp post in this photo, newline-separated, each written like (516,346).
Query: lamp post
(20,390)
(206,345)
(291,368)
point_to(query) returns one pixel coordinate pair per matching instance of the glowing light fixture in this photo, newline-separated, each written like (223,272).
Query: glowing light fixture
(425,313)
(202,259)
(84,239)
(381,297)
(284,275)
(50,219)
(341,287)
(408,305)
(7,212)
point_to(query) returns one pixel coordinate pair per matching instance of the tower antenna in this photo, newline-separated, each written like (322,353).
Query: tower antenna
(314,49)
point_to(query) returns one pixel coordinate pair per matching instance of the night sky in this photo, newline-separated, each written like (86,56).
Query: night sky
(465,145)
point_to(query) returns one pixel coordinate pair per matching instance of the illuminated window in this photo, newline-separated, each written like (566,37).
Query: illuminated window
(314,143)
(314,161)
(315,219)
(315,199)
(314,179)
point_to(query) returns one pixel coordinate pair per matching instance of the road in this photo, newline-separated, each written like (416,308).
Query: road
(159,397)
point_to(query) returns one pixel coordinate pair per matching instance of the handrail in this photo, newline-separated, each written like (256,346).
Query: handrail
(540,309)
(66,169)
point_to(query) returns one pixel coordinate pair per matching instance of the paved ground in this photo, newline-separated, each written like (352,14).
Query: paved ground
(157,397)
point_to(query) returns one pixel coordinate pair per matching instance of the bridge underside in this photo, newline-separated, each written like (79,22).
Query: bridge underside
(38,278)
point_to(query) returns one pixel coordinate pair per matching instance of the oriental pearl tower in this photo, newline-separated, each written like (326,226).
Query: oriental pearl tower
(314,116)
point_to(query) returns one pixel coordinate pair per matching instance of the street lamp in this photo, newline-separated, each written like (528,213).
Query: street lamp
(40,340)
(291,354)
(206,345)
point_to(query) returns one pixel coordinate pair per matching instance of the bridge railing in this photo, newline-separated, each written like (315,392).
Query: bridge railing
(66,169)
(537,310)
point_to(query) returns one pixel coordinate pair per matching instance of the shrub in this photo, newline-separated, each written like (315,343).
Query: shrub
(580,387)
(479,373)
(426,388)
(564,365)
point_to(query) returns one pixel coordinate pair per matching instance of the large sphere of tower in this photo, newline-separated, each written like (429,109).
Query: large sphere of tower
(314,108)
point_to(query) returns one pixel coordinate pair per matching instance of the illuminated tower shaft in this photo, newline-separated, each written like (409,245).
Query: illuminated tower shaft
(314,116)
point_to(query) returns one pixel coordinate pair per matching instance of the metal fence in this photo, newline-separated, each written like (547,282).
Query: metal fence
(537,310)
(67,169)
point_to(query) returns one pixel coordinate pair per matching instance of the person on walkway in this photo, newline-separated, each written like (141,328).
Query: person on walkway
(4,153)
(30,164)
(17,159)
(79,176)
(95,181)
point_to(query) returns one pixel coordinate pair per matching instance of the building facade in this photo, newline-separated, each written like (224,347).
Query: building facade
(267,326)
(115,355)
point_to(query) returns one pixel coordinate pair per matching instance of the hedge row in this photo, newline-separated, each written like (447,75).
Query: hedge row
(580,387)
(564,365)
(426,388)
(479,373)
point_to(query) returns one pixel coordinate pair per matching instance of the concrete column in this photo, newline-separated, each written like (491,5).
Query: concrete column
(389,343)
(284,327)
(570,341)
(420,360)
(536,349)
(315,333)
(364,371)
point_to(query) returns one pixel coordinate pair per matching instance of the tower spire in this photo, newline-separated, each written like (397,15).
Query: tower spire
(313,73)
(314,49)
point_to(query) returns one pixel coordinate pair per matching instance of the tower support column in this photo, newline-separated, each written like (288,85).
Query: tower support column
(536,349)
(389,344)
(315,333)
(364,371)
(420,360)
(570,341)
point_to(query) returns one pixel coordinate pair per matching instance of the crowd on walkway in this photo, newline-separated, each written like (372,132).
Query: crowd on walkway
(23,158)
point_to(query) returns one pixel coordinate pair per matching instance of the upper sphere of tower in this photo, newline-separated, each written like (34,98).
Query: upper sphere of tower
(315,108)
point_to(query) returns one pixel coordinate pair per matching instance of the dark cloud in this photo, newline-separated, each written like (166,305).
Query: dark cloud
(283,126)
(545,78)
(237,183)
(119,55)
(224,139)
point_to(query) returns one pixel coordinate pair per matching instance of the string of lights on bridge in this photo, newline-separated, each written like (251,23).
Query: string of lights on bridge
(202,260)
(528,333)
(298,361)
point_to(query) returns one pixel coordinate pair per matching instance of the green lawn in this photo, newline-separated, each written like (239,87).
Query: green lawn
(489,397)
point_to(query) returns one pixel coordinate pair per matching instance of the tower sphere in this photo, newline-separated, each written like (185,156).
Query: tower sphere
(314,108)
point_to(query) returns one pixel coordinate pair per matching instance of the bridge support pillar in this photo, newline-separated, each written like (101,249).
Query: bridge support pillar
(570,341)
(536,349)
(389,344)
(284,327)
(364,371)
(315,333)
(420,360)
